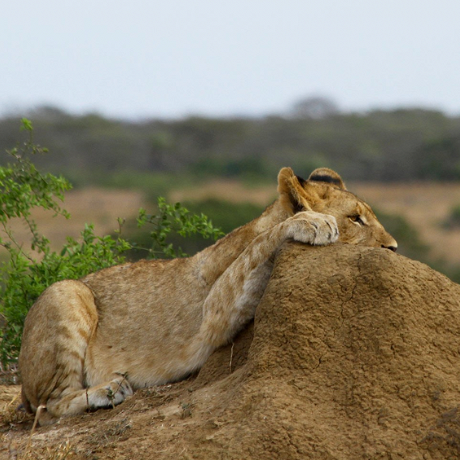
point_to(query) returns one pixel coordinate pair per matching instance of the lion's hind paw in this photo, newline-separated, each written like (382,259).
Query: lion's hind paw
(109,394)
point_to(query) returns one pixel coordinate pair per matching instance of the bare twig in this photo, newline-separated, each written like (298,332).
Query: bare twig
(231,356)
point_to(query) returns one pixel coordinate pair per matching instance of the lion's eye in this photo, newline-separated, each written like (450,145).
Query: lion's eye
(357,219)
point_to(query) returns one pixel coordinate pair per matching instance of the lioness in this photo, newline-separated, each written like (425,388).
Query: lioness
(88,343)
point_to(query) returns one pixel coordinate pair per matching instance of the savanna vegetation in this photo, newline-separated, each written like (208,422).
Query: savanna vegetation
(393,145)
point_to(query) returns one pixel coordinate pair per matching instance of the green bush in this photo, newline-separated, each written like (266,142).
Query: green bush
(29,270)
(172,224)
(220,214)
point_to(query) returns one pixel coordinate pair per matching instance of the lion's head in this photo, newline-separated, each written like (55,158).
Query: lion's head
(325,192)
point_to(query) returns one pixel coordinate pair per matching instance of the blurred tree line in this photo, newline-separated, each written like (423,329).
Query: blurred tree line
(380,145)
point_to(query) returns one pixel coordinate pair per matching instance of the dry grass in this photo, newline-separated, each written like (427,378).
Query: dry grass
(9,413)
(60,452)
(11,417)
(101,207)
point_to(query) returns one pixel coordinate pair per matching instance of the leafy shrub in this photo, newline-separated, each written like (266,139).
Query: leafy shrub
(220,214)
(173,221)
(28,271)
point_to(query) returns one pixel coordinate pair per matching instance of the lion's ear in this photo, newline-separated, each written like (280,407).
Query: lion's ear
(327,175)
(292,194)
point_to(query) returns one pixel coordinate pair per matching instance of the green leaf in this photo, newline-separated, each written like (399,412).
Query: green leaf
(26,124)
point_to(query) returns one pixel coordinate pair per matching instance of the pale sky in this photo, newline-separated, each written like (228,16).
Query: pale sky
(148,58)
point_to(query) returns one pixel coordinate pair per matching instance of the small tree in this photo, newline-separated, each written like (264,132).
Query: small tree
(315,107)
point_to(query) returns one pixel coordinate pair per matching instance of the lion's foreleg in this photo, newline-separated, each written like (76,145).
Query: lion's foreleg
(234,297)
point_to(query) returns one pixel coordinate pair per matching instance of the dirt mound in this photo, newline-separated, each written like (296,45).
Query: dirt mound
(354,354)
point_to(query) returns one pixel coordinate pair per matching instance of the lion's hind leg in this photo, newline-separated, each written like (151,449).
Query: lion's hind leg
(57,332)
(102,396)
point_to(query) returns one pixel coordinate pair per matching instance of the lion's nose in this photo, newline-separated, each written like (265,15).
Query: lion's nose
(388,242)
(392,247)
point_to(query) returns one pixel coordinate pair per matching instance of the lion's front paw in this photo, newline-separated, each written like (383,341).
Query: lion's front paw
(313,228)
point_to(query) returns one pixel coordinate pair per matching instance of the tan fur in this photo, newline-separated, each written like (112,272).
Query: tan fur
(89,343)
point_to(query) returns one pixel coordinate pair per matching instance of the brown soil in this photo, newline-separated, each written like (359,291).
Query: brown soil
(353,355)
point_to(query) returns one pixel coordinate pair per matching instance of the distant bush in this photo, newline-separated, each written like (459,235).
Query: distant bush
(407,236)
(439,159)
(390,145)
(453,219)
(410,244)
(151,184)
(247,169)
(225,214)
